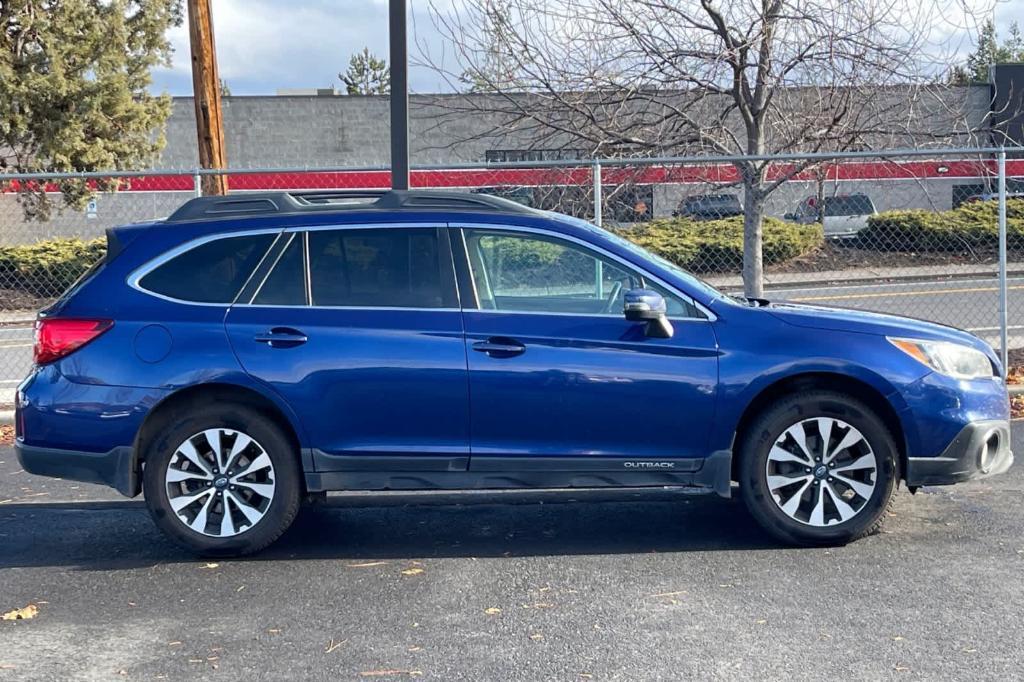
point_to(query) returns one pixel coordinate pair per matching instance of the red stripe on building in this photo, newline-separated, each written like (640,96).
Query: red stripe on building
(611,175)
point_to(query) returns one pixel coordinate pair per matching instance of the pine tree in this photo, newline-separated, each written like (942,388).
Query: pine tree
(989,51)
(74,79)
(366,75)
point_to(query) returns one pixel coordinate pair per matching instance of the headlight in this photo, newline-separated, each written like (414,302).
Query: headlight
(951,359)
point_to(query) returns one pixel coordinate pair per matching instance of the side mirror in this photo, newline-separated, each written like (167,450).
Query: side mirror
(644,305)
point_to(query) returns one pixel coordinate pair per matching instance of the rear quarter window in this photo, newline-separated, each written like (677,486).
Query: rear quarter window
(212,272)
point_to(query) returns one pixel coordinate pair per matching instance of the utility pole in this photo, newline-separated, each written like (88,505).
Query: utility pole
(399,58)
(206,93)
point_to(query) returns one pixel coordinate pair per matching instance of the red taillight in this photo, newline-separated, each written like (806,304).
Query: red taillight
(57,337)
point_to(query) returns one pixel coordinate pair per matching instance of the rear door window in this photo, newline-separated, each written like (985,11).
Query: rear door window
(392,267)
(212,272)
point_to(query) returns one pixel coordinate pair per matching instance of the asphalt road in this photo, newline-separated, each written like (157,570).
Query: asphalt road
(971,304)
(554,586)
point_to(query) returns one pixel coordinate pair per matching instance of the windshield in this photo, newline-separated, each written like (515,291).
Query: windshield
(643,253)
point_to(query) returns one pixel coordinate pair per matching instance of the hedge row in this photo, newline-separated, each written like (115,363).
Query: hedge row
(48,268)
(972,225)
(717,245)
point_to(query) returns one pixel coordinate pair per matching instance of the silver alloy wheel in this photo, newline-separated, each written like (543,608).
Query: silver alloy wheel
(220,482)
(821,471)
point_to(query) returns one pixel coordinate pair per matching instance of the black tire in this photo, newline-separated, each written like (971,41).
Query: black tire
(761,436)
(283,505)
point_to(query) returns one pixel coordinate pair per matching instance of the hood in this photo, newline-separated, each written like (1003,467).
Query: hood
(864,322)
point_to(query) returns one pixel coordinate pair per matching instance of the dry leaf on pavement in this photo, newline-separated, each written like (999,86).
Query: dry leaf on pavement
(30,611)
(1016,406)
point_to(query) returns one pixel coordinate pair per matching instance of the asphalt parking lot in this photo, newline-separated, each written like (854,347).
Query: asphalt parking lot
(553,586)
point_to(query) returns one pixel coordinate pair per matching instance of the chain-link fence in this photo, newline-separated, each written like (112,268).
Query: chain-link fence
(912,233)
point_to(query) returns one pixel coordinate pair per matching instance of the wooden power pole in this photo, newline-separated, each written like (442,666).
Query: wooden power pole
(206,92)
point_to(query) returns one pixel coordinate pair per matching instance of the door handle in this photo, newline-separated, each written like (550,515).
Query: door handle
(499,347)
(282,337)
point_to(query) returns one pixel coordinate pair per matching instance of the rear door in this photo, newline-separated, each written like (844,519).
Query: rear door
(559,377)
(359,330)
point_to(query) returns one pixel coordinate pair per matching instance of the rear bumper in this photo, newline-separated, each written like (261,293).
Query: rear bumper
(982,448)
(114,468)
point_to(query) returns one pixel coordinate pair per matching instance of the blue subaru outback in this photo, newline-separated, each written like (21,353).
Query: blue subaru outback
(251,351)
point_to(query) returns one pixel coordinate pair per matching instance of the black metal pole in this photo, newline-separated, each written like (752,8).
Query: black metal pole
(399,96)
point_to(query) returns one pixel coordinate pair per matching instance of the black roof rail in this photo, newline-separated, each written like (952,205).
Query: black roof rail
(246,204)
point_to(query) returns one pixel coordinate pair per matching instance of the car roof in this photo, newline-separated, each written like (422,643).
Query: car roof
(266,204)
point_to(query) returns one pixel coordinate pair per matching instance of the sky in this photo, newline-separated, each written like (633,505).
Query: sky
(265,45)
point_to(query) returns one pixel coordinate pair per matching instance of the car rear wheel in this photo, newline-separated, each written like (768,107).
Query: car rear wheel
(818,469)
(222,482)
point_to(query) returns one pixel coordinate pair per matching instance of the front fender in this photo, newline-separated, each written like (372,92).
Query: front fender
(756,357)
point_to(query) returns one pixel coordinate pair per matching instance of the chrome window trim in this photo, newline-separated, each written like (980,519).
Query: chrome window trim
(136,275)
(350,307)
(306,274)
(504,227)
(614,316)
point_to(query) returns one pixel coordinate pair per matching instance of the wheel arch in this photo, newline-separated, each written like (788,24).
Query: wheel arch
(829,381)
(195,396)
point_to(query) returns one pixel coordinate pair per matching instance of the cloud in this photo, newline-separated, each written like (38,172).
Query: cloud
(264,45)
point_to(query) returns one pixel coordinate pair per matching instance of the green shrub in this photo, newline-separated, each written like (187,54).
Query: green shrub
(47,268)
(970,226)
(717,245)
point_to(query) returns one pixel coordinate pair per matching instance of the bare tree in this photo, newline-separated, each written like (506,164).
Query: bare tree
(659,77)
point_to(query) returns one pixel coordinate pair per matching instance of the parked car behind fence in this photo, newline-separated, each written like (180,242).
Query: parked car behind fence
(843,215)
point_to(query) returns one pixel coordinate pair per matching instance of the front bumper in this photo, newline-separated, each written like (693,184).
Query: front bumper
(114,468)
(982,448)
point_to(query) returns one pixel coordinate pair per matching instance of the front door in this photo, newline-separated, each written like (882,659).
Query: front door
(555,369)
(358,329)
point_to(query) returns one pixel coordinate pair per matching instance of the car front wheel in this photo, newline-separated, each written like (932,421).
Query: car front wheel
(818,469)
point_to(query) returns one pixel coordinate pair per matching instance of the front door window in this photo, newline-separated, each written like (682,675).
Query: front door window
(518,272)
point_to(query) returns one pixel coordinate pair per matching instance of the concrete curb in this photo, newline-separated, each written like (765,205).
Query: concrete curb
(6,417)
(835,278)
(1015,389)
